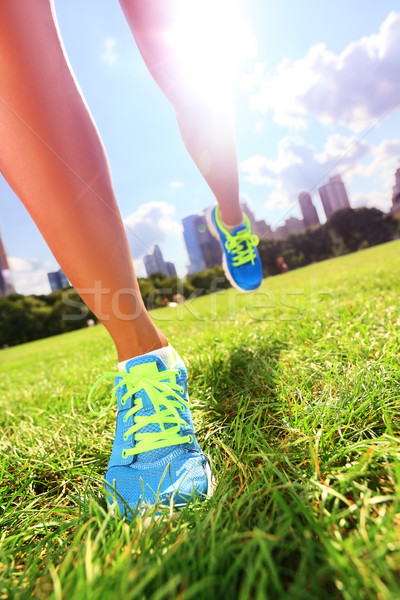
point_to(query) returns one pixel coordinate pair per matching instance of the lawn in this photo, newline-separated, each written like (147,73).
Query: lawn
(295,394)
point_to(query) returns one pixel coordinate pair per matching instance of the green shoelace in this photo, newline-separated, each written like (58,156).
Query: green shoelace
(162,389)
(241,246)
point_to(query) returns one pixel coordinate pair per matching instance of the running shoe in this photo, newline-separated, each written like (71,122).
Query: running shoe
(240,258)
(155,459)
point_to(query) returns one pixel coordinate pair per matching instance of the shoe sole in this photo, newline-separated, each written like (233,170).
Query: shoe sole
(212,229)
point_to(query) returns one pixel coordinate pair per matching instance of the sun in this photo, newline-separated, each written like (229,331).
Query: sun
(212,42)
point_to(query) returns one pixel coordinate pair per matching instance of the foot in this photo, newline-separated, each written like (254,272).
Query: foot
(155,459)
(240,258)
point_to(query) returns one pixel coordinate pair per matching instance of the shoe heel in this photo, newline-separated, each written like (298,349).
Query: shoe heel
(210,224)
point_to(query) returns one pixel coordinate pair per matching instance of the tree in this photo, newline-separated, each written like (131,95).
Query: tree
(361,227)
(22,319)
(210,280)
(269,250)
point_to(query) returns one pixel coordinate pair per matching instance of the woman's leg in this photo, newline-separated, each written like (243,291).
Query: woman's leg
(52,156)
(207,129)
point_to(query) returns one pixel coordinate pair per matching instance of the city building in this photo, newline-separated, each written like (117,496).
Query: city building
(203,249)
(170,268)
(155,263)
(6,285)
(291,226)
(2,285)
(209,246)
(58,280)
(308,210)
(334,196)
(196,261)
(263,230)
(395,209)
(260,228)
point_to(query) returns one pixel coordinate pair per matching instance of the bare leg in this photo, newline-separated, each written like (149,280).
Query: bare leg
(52,156)
(208,132)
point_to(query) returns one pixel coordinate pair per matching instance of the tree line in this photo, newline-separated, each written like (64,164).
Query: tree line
(345,231)
(27,318)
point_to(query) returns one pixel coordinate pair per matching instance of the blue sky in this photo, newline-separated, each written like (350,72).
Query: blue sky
(318,94)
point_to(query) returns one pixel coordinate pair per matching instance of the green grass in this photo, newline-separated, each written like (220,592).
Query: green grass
(295,393)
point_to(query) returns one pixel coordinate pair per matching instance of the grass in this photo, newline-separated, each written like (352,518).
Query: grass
(295,393)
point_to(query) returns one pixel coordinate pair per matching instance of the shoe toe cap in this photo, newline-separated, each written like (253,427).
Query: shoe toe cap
(248,277)
(183,480)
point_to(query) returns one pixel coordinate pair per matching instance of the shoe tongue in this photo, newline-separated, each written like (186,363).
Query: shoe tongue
(238,229)
(148,366)
(145,365)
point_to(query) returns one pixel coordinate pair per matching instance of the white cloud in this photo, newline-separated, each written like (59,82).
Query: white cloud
(140,271)
(353,88)
(281,199)
(245,199)
(110,55)
(373,199)
(175,185)
(298,166)
(385,158)
(29,275)
(150,224)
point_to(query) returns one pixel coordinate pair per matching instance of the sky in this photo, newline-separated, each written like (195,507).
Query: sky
(316,92)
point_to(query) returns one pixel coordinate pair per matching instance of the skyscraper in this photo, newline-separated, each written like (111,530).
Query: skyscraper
(2,285)
(291,226)
(170,269)
(333,195)
(396,188)
(196,261)
(203,249)
(209,246)
(6,286)
(309,212)
(155,263)
(260,228)
(58,280)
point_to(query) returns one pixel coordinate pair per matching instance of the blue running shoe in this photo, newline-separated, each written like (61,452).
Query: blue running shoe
(155,459)
(240,258)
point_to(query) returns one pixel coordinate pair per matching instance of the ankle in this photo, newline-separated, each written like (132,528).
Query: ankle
(129,349)
(167,354)
(231,221)
(230,228)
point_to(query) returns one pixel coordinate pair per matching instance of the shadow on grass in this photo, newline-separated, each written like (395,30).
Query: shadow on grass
(243,381)
(260,496)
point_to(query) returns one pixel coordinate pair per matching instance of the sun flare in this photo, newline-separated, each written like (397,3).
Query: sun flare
(212,41)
